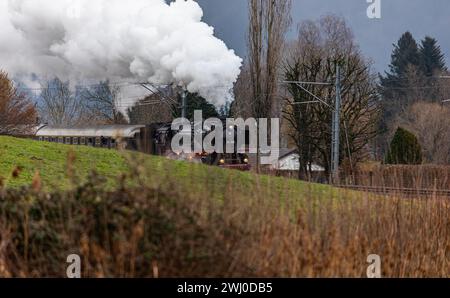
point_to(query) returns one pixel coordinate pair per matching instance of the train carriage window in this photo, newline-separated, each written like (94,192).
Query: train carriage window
(97,141)
(61,140)
(82,141)
(75,140)
(90,142)
(68,140)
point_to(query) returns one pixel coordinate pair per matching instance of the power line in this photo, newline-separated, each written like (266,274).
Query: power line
(415,88)
(307,83)
(300,85)
(397,79)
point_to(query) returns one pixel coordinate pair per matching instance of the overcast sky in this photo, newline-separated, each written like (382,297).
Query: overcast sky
(375,37)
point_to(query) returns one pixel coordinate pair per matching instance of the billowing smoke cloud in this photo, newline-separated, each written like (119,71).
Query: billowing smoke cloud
(134,40)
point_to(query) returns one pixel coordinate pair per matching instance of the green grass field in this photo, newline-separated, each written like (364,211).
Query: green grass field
(51,160)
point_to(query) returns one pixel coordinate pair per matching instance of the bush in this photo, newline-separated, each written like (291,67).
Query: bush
(405,149)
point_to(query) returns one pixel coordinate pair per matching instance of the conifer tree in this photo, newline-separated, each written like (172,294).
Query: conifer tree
(431,57)
(405,149)
(406,52)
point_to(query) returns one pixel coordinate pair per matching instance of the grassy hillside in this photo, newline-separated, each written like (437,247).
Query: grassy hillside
(54,163)
(25,157)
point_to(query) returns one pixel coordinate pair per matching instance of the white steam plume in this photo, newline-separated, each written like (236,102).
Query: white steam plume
(136,40)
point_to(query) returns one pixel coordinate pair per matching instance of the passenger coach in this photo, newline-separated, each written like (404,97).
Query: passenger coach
(112,136)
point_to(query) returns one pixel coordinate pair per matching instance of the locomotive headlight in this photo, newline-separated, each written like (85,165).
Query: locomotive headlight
(245,160)
(222,161)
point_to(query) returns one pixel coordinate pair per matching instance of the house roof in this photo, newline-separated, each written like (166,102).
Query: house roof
(284,152)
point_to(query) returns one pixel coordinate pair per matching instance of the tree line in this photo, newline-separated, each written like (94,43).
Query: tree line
(413,92)
(374,106)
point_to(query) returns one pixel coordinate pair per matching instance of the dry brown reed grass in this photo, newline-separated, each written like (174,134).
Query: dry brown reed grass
(173,220)
(433,177)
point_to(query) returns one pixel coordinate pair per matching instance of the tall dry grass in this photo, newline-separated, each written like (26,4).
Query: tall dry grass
(227,225)
(433,177)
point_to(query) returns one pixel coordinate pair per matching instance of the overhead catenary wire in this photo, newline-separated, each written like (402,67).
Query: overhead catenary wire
(398,79)
(140,100)
(415,88)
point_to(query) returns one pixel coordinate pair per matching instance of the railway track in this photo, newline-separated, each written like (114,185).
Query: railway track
(407,192)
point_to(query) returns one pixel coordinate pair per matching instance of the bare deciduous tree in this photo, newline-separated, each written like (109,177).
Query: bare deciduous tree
(59,105)
(159,107)
(430,122)
(320,46)
(17,113)
(269,22)
(101,103)
(243,105)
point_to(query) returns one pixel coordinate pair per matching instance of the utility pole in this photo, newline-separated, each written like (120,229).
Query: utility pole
(183,103)
(336,130)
